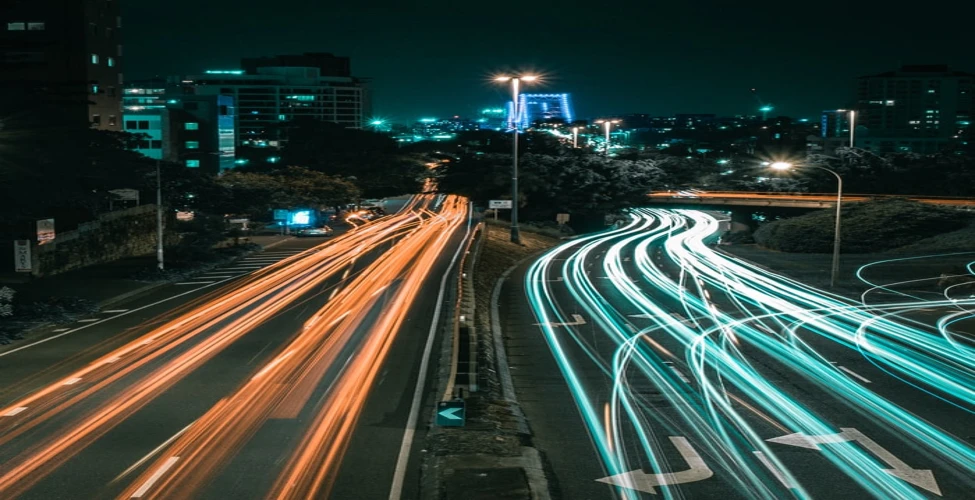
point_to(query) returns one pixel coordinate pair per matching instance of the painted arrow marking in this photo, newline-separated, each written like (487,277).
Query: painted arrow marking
(922,478)
(641,481)
(576,320)
(450,413)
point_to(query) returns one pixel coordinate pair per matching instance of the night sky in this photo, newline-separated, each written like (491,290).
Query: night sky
(435,58)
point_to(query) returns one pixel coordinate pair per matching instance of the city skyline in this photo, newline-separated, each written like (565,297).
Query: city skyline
(660,60)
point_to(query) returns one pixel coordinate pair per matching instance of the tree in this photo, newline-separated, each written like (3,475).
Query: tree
(258,194)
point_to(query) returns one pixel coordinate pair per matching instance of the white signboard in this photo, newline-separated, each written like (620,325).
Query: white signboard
(562,218)
(22,260)
(45,231)
(496,204)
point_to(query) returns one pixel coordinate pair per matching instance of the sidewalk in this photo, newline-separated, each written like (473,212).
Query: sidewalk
(102,284)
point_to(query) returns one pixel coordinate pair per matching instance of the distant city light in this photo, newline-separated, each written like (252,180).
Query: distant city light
(273,159)
(224,72)
(427,120)
(723,162)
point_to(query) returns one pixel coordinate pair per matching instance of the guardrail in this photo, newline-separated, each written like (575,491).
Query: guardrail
(463,362)
(795,199)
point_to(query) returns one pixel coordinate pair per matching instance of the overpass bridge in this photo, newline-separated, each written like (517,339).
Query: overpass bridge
(791,200)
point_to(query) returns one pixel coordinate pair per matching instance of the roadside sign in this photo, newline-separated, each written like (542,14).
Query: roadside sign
(185,215)
(495,204)
(22,260)
(562,218)
(45,231)
(451,413)
(280,214)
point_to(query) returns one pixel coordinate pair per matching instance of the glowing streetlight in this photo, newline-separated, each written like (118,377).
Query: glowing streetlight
(784,165)
(575,137)
(515,118)
(607,124)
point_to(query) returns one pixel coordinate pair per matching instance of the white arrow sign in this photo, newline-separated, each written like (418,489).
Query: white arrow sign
(576,320)
(922,478)
(641,481)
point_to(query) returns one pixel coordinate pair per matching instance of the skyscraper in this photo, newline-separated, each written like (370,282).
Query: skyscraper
(62,60)
(920,108)
(542,107)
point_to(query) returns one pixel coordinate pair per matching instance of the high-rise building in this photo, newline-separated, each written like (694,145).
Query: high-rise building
(271,91)
(920,108)
(62,59)
(542,107)
(194,130)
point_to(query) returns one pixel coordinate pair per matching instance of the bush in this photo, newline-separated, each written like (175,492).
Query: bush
(866,227)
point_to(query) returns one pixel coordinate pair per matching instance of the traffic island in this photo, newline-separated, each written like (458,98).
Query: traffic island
(491,455)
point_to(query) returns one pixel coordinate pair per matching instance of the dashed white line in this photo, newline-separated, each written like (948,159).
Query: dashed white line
(88,320)
(59,330)
(111,360)
(185,283)
(14,411)
(72,381)
(115,311)
(680,375)
(168,464)
(854,374)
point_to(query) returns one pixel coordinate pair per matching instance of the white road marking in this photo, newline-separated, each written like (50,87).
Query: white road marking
(185,283)
(59,330)
(680,375)
(72,381)
(270,366)
(153,453)
(111,360)
(786,481)
(168,464)
(14,411)
(399,473)
(332,295)
(641,481)
(63,333)
(114,311)
(854,374)
(88,320)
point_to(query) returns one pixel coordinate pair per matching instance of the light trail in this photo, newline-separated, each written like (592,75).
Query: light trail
(760,313)
(114,386)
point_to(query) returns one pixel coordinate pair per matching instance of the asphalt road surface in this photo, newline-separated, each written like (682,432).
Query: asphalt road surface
(650,364)
(291,374)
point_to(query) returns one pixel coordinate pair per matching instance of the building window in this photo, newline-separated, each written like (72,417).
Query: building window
(94,89)
(35,27)
(193,163)
(191,106)
(131,124)
(191,126)
(192,145)
(96,119)
(94,58)
(156,144)
(112,120)
(16,26)
(143,125)
(282,118)
(111,62)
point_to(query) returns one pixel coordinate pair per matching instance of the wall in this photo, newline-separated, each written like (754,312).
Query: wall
(115,235)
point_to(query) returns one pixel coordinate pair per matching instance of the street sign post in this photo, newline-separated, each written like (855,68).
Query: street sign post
(562,218)
(496,204)
(45,231)
(22,259)
(451,413)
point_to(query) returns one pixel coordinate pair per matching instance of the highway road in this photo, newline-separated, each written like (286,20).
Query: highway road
(650,364)
(291,375)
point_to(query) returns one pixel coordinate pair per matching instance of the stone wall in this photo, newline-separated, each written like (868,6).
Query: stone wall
(115,235)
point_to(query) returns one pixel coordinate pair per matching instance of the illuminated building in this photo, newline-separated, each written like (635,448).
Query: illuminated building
(921,108)
(492,119)
(194,130)
(541,108)
(269,91)
(62,58)
(439,129)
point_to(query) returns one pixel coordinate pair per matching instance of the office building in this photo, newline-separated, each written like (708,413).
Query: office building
(920,108)
(194,130)
(269,92)
(492,119)
(62,60)
(542,108)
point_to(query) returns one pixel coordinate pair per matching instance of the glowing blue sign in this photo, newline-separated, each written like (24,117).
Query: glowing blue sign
(300,218)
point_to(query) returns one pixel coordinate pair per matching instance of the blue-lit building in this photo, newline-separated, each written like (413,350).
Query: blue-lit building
(541,108)
(492,119)
(197,131)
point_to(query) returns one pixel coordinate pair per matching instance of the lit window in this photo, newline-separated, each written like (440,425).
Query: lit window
(282,118)
(16,26)
(96,119)
(110,61)
(94,89)
(35,26)
(193,163)
(191,126)
(112,120)
(94,58)
(192,145)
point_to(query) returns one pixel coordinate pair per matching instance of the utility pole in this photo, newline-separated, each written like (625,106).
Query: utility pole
(159,216)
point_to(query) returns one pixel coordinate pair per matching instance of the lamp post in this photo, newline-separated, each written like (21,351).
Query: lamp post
(853,117)
(159,216)
(575,137)
(607,124)
(515,118)
(782,165)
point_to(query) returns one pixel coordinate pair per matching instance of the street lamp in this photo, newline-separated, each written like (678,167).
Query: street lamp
(515,118)
(784,165)
(853,117)
(607,124)
(575,137)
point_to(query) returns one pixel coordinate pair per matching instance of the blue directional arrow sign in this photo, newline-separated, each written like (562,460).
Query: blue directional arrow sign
(451,413)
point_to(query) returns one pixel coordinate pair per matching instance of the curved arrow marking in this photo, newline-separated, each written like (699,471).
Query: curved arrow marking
(641,481)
